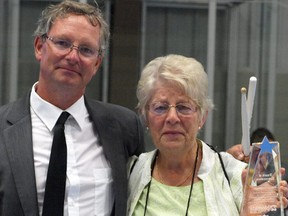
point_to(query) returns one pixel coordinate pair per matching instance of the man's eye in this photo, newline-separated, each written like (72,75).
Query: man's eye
(87,51)
(63,43)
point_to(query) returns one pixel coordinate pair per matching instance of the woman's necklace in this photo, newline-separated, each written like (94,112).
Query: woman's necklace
(191,187)
(162,181)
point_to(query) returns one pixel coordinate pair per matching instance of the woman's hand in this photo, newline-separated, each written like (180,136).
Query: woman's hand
(284,189)
(265,197)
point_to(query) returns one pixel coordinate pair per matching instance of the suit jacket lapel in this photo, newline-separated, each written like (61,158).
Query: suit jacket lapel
(111,139)
(109,132)
(18,142)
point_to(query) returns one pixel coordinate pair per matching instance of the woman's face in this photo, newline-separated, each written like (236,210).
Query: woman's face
(172,130)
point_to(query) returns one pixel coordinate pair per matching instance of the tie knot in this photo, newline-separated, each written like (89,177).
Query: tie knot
(63,117)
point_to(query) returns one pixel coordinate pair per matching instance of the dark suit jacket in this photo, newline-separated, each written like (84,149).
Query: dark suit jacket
(120,134)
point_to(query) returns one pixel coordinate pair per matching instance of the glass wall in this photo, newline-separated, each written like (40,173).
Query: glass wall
(19,69)
(248,38)
(234,40)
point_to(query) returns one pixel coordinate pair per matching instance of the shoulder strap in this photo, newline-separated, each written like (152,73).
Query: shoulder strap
(131,163)
(221,161)
(223,168)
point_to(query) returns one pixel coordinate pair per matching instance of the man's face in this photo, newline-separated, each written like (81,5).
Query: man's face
(68,69)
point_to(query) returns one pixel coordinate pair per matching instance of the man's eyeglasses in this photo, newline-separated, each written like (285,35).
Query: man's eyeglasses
(160,108)
(66,46)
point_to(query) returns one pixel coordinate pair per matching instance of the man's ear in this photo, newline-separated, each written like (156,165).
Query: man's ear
(38,44)
(97,64)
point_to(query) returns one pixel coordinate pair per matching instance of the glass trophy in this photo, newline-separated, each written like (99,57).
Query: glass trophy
(262,196)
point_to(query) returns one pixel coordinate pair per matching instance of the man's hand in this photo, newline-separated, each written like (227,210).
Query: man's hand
(237,152)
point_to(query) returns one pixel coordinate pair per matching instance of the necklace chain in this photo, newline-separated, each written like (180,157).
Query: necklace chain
(162,181)
(191,187)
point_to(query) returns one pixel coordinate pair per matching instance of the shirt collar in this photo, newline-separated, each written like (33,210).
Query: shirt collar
(49,114)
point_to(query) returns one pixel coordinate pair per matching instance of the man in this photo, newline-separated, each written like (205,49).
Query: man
(69,44)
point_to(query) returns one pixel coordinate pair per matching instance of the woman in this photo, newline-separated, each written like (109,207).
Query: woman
(184,175)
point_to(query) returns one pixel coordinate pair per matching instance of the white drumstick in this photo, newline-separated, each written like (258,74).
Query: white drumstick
(245,124)
(251,96)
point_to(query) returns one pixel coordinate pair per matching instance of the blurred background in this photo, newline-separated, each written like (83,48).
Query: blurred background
(233,39)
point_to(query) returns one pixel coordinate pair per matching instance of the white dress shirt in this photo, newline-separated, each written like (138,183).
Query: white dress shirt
(89,177)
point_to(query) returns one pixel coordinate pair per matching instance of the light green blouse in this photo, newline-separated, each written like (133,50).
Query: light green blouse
(170,200)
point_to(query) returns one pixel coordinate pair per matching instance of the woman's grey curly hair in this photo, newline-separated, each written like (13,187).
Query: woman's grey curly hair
(186,73)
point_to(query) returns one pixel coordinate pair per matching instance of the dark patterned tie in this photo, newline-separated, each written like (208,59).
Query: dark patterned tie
(56,177)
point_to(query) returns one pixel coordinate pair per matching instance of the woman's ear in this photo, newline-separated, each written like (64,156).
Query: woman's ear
(203,120)
(146,124)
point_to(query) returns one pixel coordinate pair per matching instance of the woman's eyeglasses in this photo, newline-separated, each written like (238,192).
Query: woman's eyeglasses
(160,108)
